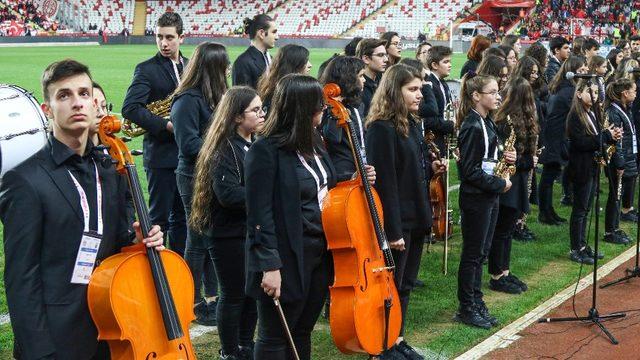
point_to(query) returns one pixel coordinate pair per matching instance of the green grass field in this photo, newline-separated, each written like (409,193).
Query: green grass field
(542,264)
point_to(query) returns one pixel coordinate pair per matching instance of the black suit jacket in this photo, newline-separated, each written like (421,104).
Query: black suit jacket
(401,181)
(153,80)
(274,218)
(553,66)
(437,123)
(554,134)
(43,226)
(337,142)
(624,158)
(582,149)
(248,68)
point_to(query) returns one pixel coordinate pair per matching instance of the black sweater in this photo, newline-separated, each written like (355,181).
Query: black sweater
(582,149)
(190,115)
(337,142)
(401,180)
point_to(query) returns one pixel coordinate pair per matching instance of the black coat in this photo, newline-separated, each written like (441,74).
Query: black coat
(554,132)
(518,195)
(248,68)
(43,226)
(471,145)
(624,158)
(191,116)
(429,104)
(153,80)
(553,66)
(337,142)
(401,181)
(274,219)
(437,124)
(369,89)
(582,149)
(470,65)
(228,210)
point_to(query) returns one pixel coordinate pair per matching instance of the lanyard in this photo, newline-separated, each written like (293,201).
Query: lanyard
(626,117)
(360,129)
(175,69)
(486,138)
(444,92)
(313,173)
(84,203)
(591,121)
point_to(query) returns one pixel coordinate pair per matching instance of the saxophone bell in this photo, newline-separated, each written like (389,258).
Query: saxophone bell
(160,108)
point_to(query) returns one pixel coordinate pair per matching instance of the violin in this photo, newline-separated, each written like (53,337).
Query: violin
(365,314)
(141,300)
(442,227)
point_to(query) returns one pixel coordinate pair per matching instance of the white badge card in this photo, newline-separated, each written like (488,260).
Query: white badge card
(322,195)
(86,258)
(489,165)
(634,140)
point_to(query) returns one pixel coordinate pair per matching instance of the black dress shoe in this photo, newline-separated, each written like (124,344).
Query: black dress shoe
(484,312)
(513,279)
(623,235)
(529,232)
(408,352)
(472,317)
(504,285)
(628,217)
(566,200)
(520,235)
(614,238)
(580,257)
(418,283)
(203,314)
(546,218)
(557,217)
(589,251)
(391,354)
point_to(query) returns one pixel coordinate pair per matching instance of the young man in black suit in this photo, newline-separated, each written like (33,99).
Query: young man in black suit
(155,79)
(560,51)
(252,63)
(49,206)
(440,65)
(375,57)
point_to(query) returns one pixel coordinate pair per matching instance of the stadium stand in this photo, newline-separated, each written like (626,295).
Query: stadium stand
(412,17)
(606,20)
(91,16)
(210,17)
(319,18)
(18,17)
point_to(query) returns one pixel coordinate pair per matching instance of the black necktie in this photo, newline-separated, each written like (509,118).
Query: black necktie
(266,58)
(180,68)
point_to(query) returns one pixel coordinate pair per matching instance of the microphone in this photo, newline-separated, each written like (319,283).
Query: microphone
(571,75)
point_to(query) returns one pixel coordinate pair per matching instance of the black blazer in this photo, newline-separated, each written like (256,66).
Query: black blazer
(43,226)
(401,181)
(518,195)
(429,105)
(553,66)
(554,136)
(228,210)
(370,87)
(191,116)
(248,68)
(582,149)
(274,218)
(471,144)
(469,65)
(624,158)
(153,80)
(337,141)
(437,123)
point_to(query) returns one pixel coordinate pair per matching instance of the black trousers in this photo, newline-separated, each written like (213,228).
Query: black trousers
(198,251)
(301,315)
(566,182)
(500,254)
(407,267)
(165,207)
(628,191)
(237,314)
(612,211)
(550,173)
(479,213)
(583,194)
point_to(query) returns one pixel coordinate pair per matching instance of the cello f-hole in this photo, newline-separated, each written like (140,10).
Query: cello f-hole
(364,272)
(183,348)
(151,355)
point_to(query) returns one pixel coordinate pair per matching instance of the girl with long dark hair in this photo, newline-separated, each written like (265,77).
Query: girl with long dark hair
(479,192)
(496,67)
(291,59)
(518,107)
(395,147)
(200,90)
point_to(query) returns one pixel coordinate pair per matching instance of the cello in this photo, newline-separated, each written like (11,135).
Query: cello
(365,314)
(141,300)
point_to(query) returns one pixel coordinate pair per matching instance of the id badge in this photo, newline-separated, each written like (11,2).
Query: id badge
(322,195)
(86,258)
(635,144)
(489,165)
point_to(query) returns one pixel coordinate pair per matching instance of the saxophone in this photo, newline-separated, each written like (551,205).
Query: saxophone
(503,169)
(160,108)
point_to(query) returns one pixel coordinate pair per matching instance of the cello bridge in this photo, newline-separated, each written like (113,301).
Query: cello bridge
(380,269)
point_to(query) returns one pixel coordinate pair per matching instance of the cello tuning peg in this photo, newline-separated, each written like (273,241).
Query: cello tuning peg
(125,139)
(136,152)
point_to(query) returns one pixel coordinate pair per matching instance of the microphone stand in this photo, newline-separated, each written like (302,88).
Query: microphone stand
(635,272)
(593,314)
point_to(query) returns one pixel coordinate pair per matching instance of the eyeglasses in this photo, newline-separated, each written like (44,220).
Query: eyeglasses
(492,93)
(396,44)
(382,55)
(258,109)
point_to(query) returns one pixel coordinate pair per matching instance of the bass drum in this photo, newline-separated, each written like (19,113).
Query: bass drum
(23,126)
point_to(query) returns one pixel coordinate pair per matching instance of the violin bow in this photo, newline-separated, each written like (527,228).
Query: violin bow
(286,328)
